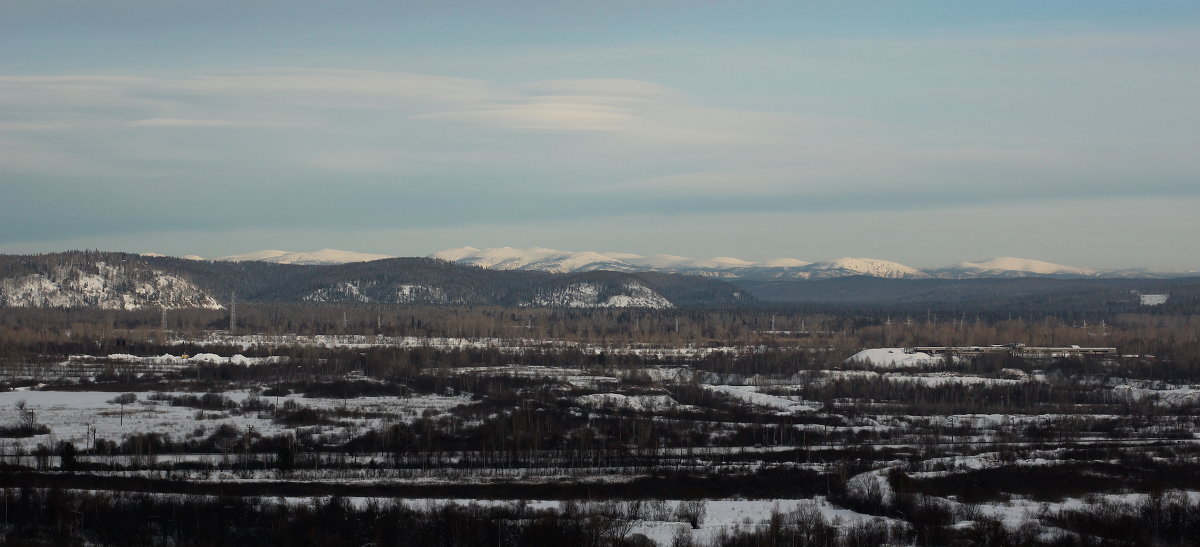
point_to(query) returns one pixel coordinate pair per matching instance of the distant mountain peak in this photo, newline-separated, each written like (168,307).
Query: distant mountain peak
(785,263)
(451,255)
(873,267)
(1002,266)
(534,259)
(318,257)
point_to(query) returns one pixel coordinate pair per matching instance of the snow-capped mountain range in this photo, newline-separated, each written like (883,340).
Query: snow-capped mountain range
(559,261)
(323,256)
(556,261)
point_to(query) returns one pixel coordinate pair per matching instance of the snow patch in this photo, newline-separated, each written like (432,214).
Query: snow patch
(1154,299)
(426,294)
(345,291)
(617,401)
(593,295)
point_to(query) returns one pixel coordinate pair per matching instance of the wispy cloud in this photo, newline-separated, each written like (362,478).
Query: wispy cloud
(544,114)
(181,122)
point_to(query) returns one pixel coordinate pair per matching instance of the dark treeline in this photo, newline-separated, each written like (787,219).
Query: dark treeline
(27,333)
(56,517)
(65,517)
(993,299)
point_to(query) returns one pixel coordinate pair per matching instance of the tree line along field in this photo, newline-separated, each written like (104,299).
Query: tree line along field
(468,426)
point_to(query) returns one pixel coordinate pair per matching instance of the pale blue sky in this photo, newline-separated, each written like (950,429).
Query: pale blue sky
(925,133)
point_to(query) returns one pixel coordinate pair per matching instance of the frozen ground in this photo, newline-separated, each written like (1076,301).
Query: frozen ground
(70,414)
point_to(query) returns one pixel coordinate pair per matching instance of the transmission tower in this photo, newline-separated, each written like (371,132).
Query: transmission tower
(232,311)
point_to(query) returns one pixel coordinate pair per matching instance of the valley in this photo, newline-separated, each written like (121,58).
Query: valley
(626,426)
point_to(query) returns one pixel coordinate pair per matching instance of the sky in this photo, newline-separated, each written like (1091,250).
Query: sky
(922,132)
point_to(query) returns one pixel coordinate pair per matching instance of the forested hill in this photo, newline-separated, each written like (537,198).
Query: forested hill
(127,281)
(1030,295)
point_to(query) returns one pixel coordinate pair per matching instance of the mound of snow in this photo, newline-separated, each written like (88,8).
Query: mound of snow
(892,357)
(123,357)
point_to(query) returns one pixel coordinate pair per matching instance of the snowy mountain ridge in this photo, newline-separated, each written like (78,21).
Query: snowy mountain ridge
(1008,266)
(553,260)
(872,267)
(320,257)
(124,281)
(559,261)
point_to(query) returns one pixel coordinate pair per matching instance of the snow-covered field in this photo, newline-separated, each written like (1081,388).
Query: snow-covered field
(842,444)
(70,415)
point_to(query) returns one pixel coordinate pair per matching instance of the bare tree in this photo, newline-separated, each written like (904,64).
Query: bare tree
(27,418)
(691,512)
(124,399)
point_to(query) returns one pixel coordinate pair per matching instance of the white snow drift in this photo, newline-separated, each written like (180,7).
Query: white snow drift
(892,357)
